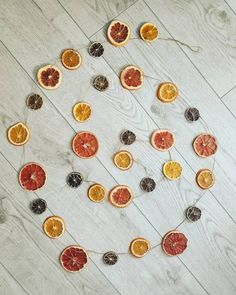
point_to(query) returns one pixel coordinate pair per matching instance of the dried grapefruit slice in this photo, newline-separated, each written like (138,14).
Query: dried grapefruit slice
(71,59)
(163,140)
(131,78)
(118,33)
(123,160)
(172,170)
(54,227)
(49,77)
(82,111)
(205,145)
(139,247)
(96,192)
(18,134)
(85,144)
(167,92)
(74,258)
(205,178)
(148,32)
(32,177)
(174,243)
(121,196)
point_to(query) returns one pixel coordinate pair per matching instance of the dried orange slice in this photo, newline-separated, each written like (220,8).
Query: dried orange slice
(139,247)
(49,77)
(205,145)
(167,92)
(163,140)
(118,33)
(82,111)
(18,134)
(121,196)
(54,227)
(148,32)
(71,59)
(205,178)
(85,144)
(172,170)
(123,160)
(96,192)
(131,78)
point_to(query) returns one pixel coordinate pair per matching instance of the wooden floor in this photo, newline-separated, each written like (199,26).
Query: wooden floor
(33,33)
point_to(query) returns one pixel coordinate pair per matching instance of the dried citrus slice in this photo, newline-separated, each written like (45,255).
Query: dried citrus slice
(139,247)
(167,92)
(205,178)
(147,184)
(193,213)
(54,227)
(174,243)
(71,59)
(121,196)
(163,140)
(148,32)
(205,145)
(34,101)
(123,160)
(96,49)
(172,170)
(49,77)
(32,177)
(110,258)
(82,111)
(18,134)
(118,33)
(192,114)
(38,206)
(127,137)
(131,78)
(74,258)
(74,179)
(85,144)
(101,83)
(96,192)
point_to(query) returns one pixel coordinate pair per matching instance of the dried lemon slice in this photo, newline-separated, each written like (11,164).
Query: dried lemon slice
(148,32)
(123,160)
(167,92)
(139,247)
(82,111)
(96,192)
(18,134)
(54,227)
(205,178)
(172,170)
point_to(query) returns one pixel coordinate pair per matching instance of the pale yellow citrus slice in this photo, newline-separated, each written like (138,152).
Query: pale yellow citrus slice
(96,192)
(123,160)
(139,247)
(167,92)
(205,178)
(18,134)
(82,111)
(172,170)
(54,227)
(148,32)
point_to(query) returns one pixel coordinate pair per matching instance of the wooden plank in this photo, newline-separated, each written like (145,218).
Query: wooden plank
(229,100)
(28,255)
(232,4)
(212,26)
(195,91)
(91,16)
(131,222)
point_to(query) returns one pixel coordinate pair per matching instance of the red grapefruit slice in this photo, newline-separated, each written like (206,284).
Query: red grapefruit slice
(85,145)
(174,243)
(163,140)
(121,196)
(32,177)
(131,78)
(118,33)
(205,145)
(49,77)
(73,258)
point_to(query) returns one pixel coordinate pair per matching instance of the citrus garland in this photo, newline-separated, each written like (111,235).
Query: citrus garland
(85,144)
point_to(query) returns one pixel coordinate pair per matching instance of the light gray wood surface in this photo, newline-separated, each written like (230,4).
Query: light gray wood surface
(34,33)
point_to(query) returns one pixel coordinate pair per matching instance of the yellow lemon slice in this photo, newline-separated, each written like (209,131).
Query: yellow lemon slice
(172,170)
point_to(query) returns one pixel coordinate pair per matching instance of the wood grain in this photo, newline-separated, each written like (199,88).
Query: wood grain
(229,100)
